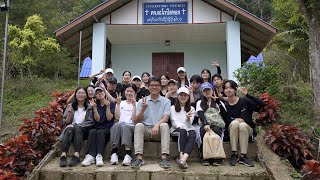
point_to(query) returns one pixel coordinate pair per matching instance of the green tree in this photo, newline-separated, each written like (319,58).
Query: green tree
(260,8)
(289,48)
(29,45)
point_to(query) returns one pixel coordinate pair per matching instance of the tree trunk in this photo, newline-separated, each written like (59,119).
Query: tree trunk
(310,9)
(314,58)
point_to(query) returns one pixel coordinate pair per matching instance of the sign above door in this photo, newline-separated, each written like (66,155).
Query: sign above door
(165,13)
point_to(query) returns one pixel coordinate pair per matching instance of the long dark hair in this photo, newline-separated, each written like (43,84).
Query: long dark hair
(146,74)
(90,85)
(74,102)
(126,71)
(186,82)
(204,103)
(209,78)
(133,86)
(187,107)
(166,76)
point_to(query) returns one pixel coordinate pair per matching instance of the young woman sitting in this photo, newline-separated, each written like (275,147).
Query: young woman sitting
(206,109)
(80,119)
(182,114)
(123,131)
(100,134)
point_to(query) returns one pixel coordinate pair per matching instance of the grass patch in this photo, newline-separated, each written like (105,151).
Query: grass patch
(22,97)
(297,107)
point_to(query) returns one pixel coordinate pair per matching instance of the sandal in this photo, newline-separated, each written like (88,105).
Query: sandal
(182,165)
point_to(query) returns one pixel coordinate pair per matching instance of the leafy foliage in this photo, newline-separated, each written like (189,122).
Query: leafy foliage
(269,113)
(29,45)
(261,8)
(259,78)
(19,155)
(289,48)
(289,142)
(311,170)
(54,14)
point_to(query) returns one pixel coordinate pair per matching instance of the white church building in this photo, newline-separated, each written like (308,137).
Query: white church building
(157,36)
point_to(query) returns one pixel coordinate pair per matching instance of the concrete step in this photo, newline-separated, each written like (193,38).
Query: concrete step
(152,150)
(152,171)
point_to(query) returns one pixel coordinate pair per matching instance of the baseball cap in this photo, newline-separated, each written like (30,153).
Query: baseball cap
(97,89)
(172,81)
(136,77)
(108,70)
(183,90)
(206,85)
(112,79)
(181,69)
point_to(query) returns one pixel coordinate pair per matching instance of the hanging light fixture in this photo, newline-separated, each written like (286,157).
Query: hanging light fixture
(167,43)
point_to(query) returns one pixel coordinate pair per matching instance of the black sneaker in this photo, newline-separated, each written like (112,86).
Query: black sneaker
(234,159)
(137,163)
(204,162)
(63,161)
(245,160)
(217,162)
(165,163)
(74,161)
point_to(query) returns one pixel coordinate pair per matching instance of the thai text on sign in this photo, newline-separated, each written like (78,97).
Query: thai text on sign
(165,13)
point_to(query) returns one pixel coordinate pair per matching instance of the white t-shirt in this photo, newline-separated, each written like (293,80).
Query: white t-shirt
(79,116)
(126,113)
(179,119)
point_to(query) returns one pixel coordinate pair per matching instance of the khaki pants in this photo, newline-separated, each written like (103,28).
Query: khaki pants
(142,133)
(239,132)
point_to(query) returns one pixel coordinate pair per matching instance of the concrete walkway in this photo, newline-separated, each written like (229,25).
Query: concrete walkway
(152,170)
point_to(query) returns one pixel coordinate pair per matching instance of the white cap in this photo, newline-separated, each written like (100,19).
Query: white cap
(136,77)
(108,70)
(181,69)
(183,90)
(98,88)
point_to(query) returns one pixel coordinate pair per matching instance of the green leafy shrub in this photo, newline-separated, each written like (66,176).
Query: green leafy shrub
(295,108)
(289,142)
(259,78)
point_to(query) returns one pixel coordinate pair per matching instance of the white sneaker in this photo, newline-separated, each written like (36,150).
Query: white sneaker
(99,160)
(126,160)
(88,160)
(114,159)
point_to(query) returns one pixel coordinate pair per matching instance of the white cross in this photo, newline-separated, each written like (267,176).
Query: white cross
(146,11)
(183,10)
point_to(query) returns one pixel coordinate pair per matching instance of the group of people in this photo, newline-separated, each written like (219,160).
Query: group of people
(154,108)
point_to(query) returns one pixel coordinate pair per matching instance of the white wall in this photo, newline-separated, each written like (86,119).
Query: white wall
(138,58)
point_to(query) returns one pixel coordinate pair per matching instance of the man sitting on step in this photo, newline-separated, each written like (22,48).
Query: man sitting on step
(151,124)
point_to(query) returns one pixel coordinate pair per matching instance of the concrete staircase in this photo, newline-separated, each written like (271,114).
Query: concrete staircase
(50,169)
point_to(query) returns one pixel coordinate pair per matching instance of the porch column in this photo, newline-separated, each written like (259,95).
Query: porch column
(233,48)
(99,42)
